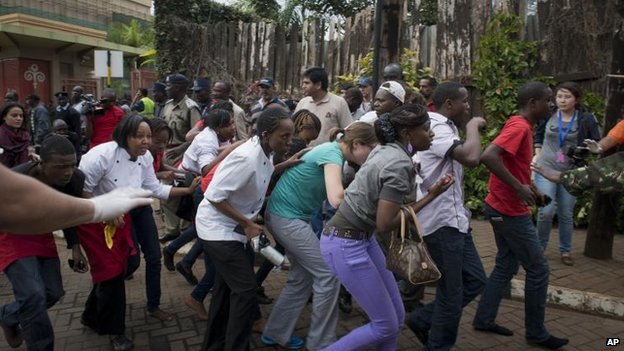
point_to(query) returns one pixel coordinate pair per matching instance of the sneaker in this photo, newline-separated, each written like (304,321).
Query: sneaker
(187,273)
(567,259)
(168,260)
(121,343)
(295,343)
(196,306)
(12,335)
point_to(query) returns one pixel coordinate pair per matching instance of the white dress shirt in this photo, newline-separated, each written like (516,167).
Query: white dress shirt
(108,167)
(203,150)
(242,179)
(446,210)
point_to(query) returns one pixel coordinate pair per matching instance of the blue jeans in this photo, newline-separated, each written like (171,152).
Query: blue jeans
(206,283)
(145,236)
(463,279)
(517,243)
(37,286)
(360,265)
(189,234)
(563,203)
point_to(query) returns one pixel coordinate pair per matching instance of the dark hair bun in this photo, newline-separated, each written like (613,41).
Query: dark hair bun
(385,130)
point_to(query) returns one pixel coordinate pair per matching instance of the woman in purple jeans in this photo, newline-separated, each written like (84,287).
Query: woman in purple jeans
(372,203)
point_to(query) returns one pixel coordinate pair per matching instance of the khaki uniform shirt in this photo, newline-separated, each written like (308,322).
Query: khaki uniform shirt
(241,121)
(181,117)
(332,110)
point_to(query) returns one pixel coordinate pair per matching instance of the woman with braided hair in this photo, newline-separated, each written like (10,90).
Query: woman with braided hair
(371,204)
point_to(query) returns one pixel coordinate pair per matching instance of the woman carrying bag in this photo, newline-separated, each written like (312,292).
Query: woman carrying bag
(372,202)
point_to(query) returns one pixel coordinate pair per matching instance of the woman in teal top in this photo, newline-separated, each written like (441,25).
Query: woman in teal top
(300,191)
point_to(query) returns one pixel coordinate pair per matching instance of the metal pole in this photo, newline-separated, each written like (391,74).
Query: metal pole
(377,43)
(108,69)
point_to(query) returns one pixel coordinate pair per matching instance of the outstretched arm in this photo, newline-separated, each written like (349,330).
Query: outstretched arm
(31,207)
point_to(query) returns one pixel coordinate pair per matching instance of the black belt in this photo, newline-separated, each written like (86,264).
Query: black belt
(346,233)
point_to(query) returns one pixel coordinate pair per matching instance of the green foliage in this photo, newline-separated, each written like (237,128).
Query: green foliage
(595,104)
(132,34)
(295,11)
(428,12)
(291,14)
(265,9)
(206,11)
(344,79)
(504,64)
(345,8)
(408,61)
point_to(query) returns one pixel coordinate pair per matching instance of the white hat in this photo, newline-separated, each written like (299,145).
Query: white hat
(395,89)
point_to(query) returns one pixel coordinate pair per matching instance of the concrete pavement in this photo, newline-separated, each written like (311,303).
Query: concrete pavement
(586,331)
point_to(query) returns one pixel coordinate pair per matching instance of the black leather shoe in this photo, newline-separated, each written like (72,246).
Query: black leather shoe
(168,260)
(187,273)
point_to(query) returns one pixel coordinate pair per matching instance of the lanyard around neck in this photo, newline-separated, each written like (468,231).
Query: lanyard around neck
(563,136)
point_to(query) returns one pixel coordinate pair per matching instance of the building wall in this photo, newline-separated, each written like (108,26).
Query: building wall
(88,13)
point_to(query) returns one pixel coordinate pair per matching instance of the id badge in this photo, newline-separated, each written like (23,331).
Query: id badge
(560,157)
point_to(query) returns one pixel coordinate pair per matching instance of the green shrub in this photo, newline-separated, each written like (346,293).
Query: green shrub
(504,64)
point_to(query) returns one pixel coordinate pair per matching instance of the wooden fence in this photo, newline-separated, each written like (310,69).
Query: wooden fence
(245,52)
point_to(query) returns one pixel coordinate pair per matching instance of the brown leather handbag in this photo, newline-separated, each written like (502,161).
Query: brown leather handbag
(407,257)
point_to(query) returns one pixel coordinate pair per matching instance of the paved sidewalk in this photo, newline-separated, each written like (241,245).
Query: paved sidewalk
(185,332)
(588,274)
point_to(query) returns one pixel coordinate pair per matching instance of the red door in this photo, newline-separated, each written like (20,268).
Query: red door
(26,76)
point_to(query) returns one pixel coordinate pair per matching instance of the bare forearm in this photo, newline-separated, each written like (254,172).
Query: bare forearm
(227,209)
(31,207)
(418,205)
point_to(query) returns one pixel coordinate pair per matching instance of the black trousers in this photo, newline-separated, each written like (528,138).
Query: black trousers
(233,307)
(105,309)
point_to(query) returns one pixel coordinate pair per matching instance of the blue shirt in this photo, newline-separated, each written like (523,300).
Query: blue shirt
(301,189)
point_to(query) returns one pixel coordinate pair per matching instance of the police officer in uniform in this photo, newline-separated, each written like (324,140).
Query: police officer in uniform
(64,111)
(181,113)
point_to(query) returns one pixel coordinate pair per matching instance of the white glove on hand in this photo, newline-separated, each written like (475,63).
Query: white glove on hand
(118,202)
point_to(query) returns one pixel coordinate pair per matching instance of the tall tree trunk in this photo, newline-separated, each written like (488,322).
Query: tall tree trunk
(454,39)
(393,13)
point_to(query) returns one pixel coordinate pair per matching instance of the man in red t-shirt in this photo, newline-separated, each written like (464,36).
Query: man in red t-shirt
(100,128)
(508,208)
